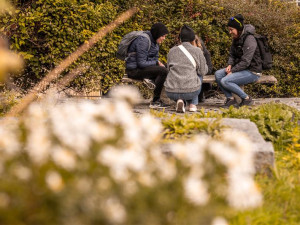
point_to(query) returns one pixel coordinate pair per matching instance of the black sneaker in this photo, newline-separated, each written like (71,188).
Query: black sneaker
(229,102)
(149,83)
(248,101)
(158,105)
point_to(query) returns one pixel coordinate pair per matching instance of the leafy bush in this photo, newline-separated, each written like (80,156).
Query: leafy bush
(44,39)
(7,100)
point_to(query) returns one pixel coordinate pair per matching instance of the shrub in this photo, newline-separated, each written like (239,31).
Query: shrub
(44,41)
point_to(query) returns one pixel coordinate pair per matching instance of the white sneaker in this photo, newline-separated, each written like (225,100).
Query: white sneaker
(180,106)
(193,108)
(149,83)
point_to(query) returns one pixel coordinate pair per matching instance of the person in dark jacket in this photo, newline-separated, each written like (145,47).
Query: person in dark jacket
(142,63)
(244,64)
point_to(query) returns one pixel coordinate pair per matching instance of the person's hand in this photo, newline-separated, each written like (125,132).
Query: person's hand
(160,64)
(228,73)
(228,69)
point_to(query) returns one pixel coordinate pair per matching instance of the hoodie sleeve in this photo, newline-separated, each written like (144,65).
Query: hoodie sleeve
(249,47)
(142,52)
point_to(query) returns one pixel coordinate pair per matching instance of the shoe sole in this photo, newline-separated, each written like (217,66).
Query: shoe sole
(149,84)
(180,107)
(157,107)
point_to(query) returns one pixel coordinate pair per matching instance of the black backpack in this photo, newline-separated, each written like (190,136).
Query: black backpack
(122,51)
(266,56)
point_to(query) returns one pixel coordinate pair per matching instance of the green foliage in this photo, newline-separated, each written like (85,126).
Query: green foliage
(7,100)
(45,32)
(275,122)
(184,127)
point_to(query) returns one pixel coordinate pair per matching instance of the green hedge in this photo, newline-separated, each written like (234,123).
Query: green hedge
(45,32)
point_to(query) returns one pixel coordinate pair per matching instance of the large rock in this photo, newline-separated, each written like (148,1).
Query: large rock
(263,150)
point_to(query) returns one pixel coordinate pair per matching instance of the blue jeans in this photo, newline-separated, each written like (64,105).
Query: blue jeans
(191,98)
(231,83)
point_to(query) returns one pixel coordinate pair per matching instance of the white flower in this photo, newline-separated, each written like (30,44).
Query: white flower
(219,221)
(22,172)
(146,179)
(243,192)
(9,133)
(64,158)
(38,142)
(191,153)
(115,212)
(54,181)
(127,93)
(195,190)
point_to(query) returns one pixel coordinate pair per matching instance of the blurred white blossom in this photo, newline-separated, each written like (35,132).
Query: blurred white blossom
(63,157)
(196,190)
(115,211)
(54,181)
(219,221)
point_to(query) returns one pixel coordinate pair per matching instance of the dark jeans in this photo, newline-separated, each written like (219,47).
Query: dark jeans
(156,73)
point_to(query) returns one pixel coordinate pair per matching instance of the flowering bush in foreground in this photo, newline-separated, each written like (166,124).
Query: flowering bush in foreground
(87,163)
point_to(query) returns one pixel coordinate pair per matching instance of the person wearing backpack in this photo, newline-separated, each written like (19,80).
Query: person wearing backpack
(142,61)
(244,64)
(186,63)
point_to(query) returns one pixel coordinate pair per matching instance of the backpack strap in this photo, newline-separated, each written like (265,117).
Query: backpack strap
(144,34)
(186,52)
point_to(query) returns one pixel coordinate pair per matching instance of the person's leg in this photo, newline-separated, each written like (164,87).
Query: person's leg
(177,97)
(156,73)
(191,98)
(233,81)
(220,74)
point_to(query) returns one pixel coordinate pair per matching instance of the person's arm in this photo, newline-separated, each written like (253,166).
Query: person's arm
(142,52)
(201,64)
(207,56)
(249,47)
(231,58)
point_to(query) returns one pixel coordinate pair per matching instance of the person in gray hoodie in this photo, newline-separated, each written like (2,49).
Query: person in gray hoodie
(244,64)
(183,82)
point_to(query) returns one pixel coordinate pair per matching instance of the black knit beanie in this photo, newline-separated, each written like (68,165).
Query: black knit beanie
(236,22)
(158,30)
(187,34)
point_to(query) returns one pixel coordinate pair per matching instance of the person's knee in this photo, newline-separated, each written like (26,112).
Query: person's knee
(224,82)
(219,74)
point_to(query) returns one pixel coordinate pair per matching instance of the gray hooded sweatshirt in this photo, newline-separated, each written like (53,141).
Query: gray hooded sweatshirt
(183,76)
(244,52)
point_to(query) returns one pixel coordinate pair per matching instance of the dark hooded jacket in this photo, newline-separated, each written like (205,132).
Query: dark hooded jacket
(244,52)
(142,57)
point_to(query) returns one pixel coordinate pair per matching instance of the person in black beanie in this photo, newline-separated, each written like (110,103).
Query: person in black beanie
(142,62)
(244,64)
(186,65)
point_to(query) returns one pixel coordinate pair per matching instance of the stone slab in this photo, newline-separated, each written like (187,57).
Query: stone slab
(264,156)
